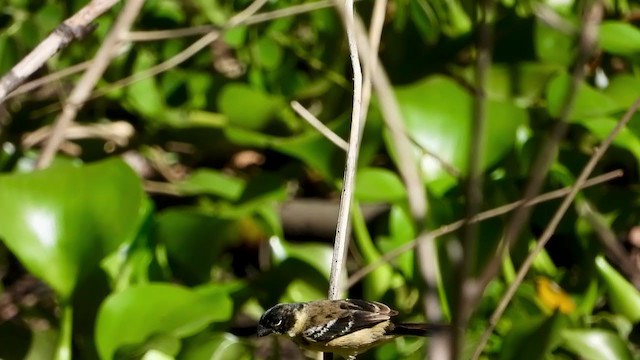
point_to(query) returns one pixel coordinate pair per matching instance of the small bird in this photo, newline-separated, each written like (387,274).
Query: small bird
(343,327)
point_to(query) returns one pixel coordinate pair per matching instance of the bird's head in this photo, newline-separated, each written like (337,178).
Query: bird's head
(279,319)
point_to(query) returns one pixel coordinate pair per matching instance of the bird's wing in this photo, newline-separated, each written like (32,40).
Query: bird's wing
(348,316)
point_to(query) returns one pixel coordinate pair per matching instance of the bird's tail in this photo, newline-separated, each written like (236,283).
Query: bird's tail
(418,329)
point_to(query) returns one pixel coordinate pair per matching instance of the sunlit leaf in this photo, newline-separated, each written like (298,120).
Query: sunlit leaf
(62,221)
(623,297)
(438,114)
(619,37)
(379,185)
(589,102)
(138,313)
(316,254)
(595,344)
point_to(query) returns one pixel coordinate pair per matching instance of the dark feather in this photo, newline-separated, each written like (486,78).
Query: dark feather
(417,329)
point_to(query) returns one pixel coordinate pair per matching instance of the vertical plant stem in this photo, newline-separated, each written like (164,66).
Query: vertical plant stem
(63,351)
(342,238)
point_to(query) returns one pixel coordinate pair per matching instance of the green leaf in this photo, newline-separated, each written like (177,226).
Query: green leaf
(438,115)
(317,255)
(194,241)
(595,344)
(624,89)
(143,312)
(205,181)
(216,346)
(144,96)
(62,221)
(8,50)
(552,45)
(619,37)
(589,102)
(533,339)
(401,231)
(523,83)
(602,127)
(379,185)
(247,107)
(269,53)
(623,297)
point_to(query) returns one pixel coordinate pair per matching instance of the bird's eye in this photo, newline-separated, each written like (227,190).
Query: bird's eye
(278,323)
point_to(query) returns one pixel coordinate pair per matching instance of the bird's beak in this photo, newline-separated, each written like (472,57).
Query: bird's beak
(264,331)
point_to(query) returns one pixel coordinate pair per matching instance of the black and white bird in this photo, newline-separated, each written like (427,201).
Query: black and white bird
(343,327)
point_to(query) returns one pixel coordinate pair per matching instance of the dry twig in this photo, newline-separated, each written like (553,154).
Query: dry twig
(548,151)
(75,27)
(346,198)
(83,89)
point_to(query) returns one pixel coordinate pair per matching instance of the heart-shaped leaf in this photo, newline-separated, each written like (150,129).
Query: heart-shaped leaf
(438,114)
(62,221)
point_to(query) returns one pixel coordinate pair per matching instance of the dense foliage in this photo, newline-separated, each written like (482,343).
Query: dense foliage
(184,204)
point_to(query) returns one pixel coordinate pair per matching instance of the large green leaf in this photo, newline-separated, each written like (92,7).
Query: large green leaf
(147,312)
(619,37)
(589,102)
(623,297)
(595,344)
(438,114)
(62,221)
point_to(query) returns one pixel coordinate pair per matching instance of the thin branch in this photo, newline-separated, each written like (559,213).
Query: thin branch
(548,151)
(553,224)
(613,248)
(58,75)
(160,35)
(449,228)
(83,89)
(346,199)
(319,125)
(156,35)
(467,263)
(75,27)
(292,11)
(119,132)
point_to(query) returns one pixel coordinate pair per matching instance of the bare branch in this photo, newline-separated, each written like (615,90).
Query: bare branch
(467,264)
(551,227)
(83,89)
(613,248)
(346,199)
(319,125)
(548,150)
(447,229)
(73,28)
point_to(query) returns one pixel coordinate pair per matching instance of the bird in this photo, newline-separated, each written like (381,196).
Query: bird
(344,327)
